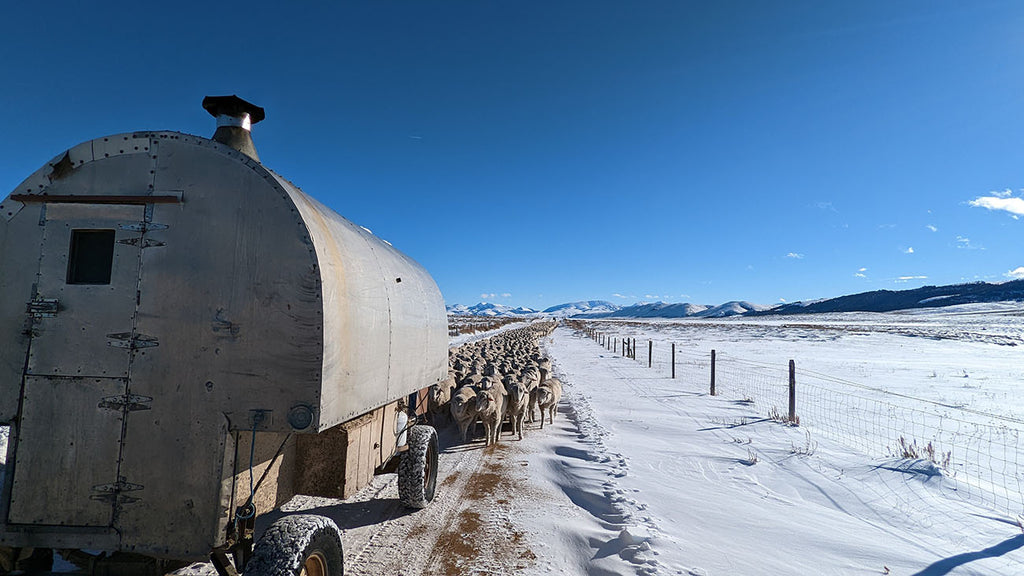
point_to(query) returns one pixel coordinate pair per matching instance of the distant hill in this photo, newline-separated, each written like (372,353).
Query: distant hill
(876,301)
(651,310)
(489,309)
(685,310)
(890,300)
(584,307)
(734,308)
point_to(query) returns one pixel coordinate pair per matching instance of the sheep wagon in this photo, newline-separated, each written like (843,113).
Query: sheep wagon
(188,340)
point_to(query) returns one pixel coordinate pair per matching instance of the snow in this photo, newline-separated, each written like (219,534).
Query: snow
(676,481)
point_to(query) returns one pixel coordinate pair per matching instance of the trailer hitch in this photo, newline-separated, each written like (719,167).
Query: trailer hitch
(239,542)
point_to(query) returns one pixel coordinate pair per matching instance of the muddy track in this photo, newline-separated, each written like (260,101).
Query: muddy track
(468,528)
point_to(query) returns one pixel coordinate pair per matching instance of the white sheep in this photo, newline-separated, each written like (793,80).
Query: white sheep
(518,396)
(490,407)
(548,395)
(437,399)
(463,408)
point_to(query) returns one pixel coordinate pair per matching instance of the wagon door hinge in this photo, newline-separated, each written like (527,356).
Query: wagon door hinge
(129,402)
(43,307)
(132,342)
(114,493)
(144,242)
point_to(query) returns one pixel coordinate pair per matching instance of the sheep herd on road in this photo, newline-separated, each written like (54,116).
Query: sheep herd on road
(502,378)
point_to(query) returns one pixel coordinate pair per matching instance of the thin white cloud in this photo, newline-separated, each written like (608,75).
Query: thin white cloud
(486,295)
(783,300)
(617,295)
(909,250)
(795,256)
(1017,273)
(506,295)
(932,227)
(862,270)
(1004,201)
(909,278)
(965,243)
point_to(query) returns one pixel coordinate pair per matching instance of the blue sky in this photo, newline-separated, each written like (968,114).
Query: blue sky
(534,153)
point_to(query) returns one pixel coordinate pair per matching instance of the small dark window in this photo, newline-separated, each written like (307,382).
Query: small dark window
(91,256)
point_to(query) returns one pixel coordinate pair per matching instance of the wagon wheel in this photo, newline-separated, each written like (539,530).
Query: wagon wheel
(417,470)
(298,545)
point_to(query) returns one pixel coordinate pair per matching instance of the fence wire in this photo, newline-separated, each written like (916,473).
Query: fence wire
(974,456)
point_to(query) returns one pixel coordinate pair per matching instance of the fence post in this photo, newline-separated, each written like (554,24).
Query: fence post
(673,360)
(792,392)
(650,353)
(712,372)
(632,349)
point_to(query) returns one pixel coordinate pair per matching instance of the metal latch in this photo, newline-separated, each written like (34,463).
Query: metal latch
(130,402)
(113,493)
(127,340)
(43,307)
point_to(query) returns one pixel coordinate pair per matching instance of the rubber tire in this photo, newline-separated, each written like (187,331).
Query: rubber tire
(285,546)
(417,469)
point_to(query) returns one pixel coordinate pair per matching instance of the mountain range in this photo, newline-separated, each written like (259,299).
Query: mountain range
(874,301)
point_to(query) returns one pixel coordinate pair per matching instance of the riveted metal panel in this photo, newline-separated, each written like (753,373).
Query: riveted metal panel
(357,346)
(120,145)
(67,447)
(234,287)
(82,337)
(20,239)
(414,302)
(382,338)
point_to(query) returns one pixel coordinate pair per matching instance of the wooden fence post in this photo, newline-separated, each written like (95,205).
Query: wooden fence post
(792,392)
(673,360)
(712,372)
(650,353)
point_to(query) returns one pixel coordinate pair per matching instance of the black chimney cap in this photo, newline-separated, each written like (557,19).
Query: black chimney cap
(232,106)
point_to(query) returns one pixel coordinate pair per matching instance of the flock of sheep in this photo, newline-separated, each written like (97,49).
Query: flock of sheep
(500,378)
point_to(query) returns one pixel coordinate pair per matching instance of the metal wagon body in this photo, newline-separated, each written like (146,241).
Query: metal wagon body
(172,312)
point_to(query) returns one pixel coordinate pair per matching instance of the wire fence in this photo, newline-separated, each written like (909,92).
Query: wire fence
(976,454)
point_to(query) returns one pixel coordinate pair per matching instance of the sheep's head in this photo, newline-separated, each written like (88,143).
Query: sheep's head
(545,395)
(531,373)
(517,393)
(484,400)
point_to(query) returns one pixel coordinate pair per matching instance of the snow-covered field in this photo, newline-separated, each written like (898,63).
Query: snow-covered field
(710,485)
